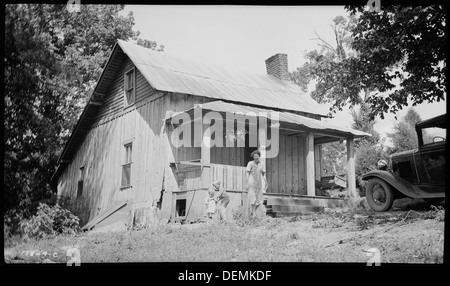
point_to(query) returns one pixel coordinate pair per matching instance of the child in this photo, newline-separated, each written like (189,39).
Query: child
(210,205)
(222,198)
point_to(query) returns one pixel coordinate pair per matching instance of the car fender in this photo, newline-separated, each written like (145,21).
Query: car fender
(397,183)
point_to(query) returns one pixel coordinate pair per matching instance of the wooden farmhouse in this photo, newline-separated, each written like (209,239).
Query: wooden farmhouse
(121,154)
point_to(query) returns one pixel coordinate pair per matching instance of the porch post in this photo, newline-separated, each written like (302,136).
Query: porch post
(206,158)
(318,161)
(310,178)
(262,136)
(351,175)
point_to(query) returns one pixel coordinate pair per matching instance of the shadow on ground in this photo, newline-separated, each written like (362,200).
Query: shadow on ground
(405,204)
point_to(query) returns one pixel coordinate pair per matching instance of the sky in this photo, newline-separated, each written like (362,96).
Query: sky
(243,37)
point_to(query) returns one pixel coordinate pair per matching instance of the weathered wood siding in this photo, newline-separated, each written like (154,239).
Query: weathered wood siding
(196,209)
(113,103)
(152,178)
(286,173)
(102,151)
(232,177)
(193,191)
(233,156)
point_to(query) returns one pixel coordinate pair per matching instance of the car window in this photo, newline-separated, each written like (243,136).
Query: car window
(433,135)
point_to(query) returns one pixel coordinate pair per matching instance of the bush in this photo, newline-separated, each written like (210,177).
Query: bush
(11,231)
(50,221)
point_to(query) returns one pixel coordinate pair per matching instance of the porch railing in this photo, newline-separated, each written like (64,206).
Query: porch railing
(232,177)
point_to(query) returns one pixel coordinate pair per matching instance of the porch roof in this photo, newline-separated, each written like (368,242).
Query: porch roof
(305,123)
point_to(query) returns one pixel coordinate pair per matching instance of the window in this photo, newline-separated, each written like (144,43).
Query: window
(129,87)
(80,183)
(126,166)
(433,135)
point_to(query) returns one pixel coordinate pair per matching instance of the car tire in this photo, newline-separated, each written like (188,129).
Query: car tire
(379,195)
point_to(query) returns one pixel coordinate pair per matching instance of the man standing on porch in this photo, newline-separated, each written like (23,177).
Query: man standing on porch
(256,173)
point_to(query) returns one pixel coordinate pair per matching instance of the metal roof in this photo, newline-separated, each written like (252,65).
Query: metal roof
(302,121)
(437,121)
(168,73)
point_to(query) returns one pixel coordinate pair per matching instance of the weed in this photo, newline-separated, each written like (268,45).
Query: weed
(437,213)
(294,235)
(294,219)
(428,252)
(330,222)
(362,223)
(242,218)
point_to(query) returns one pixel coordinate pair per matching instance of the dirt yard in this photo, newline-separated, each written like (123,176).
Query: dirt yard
(411,235)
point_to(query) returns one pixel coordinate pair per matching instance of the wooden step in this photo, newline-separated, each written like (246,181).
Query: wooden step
(323,202)
(285,214)
(289,201)
(296,208)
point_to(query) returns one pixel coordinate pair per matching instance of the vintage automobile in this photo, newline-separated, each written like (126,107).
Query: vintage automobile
(418,173)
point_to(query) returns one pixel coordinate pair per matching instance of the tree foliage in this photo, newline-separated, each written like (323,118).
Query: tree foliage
(322,64)
(406,44)
(368,150)
(334,159)
(362,121)
(50,221)
(53,59)
(404,136)
(398,55)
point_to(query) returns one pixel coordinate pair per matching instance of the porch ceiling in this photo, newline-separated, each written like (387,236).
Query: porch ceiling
(288,121)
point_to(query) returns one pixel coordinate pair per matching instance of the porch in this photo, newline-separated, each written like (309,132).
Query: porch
(292,157)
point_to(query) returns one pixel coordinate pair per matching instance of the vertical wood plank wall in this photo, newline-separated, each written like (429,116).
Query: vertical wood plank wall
(102,151)
(232,177)
(286,173)
(227,155)
(114,101)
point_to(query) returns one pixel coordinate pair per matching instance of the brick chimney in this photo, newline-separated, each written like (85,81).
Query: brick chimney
(277,66)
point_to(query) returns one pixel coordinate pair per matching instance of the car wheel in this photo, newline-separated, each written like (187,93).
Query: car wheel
(379,195)
(434,201)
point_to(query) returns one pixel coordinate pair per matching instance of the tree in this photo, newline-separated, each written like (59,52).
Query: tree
(368,150)
(404,136)
(399,44)
(333,159)
(404,44)
(53,58)
(362,121)
(320,63)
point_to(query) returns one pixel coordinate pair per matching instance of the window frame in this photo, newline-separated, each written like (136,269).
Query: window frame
(127,89)
(127,161)
(81,180)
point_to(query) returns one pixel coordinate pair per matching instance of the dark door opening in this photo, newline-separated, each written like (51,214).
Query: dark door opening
(180,208)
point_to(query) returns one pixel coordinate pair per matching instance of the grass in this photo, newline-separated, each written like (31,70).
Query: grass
(415,239)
